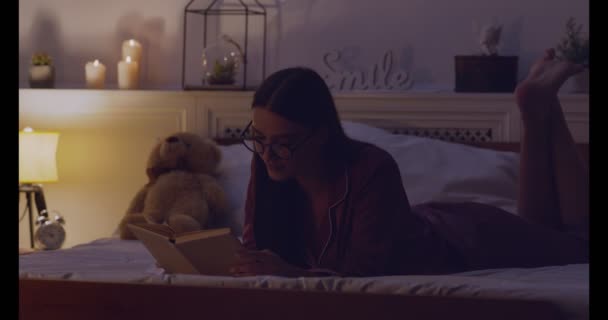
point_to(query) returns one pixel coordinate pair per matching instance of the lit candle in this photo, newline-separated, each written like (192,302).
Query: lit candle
(128,74)
(131,48)
(95,73)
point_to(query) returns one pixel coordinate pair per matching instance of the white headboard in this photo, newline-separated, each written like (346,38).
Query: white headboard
(452,117)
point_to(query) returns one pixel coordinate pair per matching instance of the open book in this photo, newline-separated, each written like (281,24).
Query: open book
(209,252)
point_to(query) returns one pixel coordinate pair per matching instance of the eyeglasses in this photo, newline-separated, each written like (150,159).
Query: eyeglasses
(282,151)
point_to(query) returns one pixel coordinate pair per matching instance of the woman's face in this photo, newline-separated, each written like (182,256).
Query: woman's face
(302,144)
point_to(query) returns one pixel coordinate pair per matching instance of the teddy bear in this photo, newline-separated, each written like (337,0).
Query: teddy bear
(182,190)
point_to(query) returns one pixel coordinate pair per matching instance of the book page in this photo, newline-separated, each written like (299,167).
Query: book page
(200,234)
(163,250)
(166,231)
(161,229)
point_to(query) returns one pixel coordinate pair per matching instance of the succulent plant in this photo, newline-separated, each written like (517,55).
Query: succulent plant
(573,46)
(223,73)
(222,62)
(41,59)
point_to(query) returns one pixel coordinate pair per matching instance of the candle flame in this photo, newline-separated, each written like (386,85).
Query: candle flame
(128,59)
(131,42)
(96,63)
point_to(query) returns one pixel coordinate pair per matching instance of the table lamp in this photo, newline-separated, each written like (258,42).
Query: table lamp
(37,164)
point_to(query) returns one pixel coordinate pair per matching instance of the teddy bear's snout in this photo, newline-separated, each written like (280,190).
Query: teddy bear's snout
(172,139)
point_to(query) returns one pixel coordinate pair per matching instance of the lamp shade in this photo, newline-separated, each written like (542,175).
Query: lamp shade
(37,156)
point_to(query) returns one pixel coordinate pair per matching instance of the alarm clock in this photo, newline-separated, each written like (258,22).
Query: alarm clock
(50,234)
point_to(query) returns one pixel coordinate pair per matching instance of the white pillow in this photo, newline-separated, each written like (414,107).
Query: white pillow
(431,170)
(234,171)
(435,170)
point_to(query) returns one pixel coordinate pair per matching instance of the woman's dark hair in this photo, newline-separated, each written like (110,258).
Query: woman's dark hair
(301,96)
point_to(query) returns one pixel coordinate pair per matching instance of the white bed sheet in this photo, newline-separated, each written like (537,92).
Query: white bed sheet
(115,260)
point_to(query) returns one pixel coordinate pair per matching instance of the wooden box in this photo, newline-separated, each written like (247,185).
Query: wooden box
(485,73)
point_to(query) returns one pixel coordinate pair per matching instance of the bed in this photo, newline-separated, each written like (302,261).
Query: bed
(113,278)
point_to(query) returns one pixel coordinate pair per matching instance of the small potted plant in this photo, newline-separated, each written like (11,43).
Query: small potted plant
(223,73)
(574,46)
(221,62)
(41,73)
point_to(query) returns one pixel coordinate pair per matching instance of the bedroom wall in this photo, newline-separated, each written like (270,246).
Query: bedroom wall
(424,34)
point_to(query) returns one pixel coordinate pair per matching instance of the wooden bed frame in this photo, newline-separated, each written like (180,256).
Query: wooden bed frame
(56,299)
(69,299)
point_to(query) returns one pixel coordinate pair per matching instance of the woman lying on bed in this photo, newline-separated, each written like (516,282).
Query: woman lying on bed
(320,203)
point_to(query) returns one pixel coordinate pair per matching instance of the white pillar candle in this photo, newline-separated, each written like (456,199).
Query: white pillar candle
(131,48)
(128,74)
(95,73)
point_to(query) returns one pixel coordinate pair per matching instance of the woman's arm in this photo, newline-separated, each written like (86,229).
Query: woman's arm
(265,262)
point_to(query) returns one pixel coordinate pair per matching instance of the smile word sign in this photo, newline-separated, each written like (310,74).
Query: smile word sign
(380,76)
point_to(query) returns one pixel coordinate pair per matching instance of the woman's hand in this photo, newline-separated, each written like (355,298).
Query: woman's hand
(264,262)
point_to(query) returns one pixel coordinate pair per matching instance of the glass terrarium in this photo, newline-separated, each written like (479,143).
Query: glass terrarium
(222,63)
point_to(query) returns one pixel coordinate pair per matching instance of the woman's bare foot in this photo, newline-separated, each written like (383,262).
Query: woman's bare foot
(537,93)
